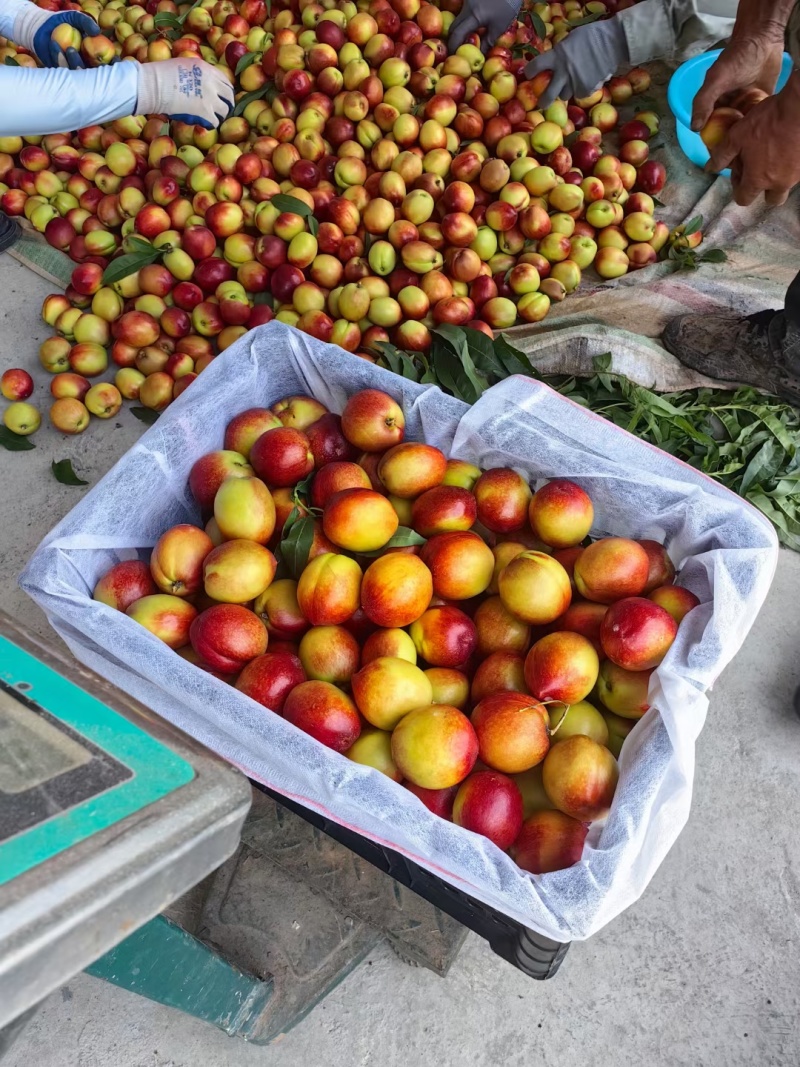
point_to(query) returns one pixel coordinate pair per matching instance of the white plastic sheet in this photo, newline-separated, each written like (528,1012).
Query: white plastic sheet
(725,550)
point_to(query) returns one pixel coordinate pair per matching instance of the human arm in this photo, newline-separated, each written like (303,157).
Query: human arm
(58,99)
(763,150)
(589,55)
(495,15)
(751,57)
(30,26)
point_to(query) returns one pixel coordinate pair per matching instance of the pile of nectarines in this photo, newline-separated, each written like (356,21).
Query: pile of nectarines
(444,625)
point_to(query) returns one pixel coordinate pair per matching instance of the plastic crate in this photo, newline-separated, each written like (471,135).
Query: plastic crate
(536,956)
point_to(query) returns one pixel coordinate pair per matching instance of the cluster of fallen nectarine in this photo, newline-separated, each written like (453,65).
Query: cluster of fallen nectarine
(444,625)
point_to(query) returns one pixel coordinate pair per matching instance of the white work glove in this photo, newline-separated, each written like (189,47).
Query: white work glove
(495,15)
(583,61)
(189,90)
(33,28)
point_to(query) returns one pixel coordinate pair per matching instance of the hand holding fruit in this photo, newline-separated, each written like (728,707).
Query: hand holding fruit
(750,59)
(494,15)
(761,149)
(582,62)
(188,90)
(35,29)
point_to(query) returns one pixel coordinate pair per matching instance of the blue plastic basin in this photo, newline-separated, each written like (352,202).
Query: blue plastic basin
(684,85)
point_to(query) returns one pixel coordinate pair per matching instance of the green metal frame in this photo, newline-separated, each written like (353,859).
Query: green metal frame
(157,771)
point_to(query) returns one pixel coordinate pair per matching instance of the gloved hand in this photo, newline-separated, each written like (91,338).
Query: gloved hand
(33,28)
(189,90)
(583,61)
(495,15)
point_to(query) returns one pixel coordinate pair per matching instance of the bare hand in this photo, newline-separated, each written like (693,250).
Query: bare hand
(745,62)
(763,149)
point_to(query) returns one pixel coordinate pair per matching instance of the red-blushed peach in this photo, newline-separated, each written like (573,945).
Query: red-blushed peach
(125,583)
(567,557)
(328,443)
(443,509)
(168,617)
(244,508)
(270,678)
(333,478)
(244,429)
(461,474)
(328,589)
(502,496)
(396,590)
(324,712)
(636,633)
(583,617)
(238,571)
(580,777)
(624,692)
(499,630)
(503,553)
(676,600)
(579,718)
(319,542)
(499,672)
(439,801)
(444,636)
(461,564)
(610,569)
(329,654)
(278,609)
(392,642)
(387,688)
(369,461)
(435,747)
(176,562)
(372,421)
(531,788)
(512,730)
(562,666)
(359,520)
(490,804)
(449,686)
(359,625)
(662,569)
(535,588)
(298,412)
(411,468)
(211,470)
(282,457)
(618,729)
(227,636)
(549,841)
(374,749)
(561,513)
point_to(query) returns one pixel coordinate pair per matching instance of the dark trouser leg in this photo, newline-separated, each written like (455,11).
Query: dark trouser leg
(792,308)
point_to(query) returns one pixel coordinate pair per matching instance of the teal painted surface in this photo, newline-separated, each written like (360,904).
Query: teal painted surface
(164,963)
(157,771)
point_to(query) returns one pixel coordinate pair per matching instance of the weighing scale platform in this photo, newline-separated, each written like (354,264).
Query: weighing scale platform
(107,815)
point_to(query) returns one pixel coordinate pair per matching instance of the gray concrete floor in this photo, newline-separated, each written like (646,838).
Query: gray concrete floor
(704,971)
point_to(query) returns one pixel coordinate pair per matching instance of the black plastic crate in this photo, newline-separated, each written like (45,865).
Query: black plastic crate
(528,951)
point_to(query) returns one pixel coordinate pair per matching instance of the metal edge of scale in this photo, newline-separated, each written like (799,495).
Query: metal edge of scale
(60,916)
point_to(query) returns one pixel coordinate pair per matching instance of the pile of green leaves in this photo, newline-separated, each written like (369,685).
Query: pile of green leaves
(748,442)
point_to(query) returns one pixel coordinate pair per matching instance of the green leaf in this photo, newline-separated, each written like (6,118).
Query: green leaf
(248,98)
(11,62)
(122,266)
(284,202)
(602,363)
(64,473)
(247,61)
(145,415)
(296,545)
(693,225)
(657,202)
(539,27)
(714,255)
(402,538)
(14,442)
(514,361)
(457,340)
(396,360)
(166,18)
(585,21)
(182,18)
(302,491)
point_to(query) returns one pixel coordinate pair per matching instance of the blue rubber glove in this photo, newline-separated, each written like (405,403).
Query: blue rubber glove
(583,61)
(495,15)
(33,28)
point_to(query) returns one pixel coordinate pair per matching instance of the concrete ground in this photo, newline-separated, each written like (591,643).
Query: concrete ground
(703,970)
